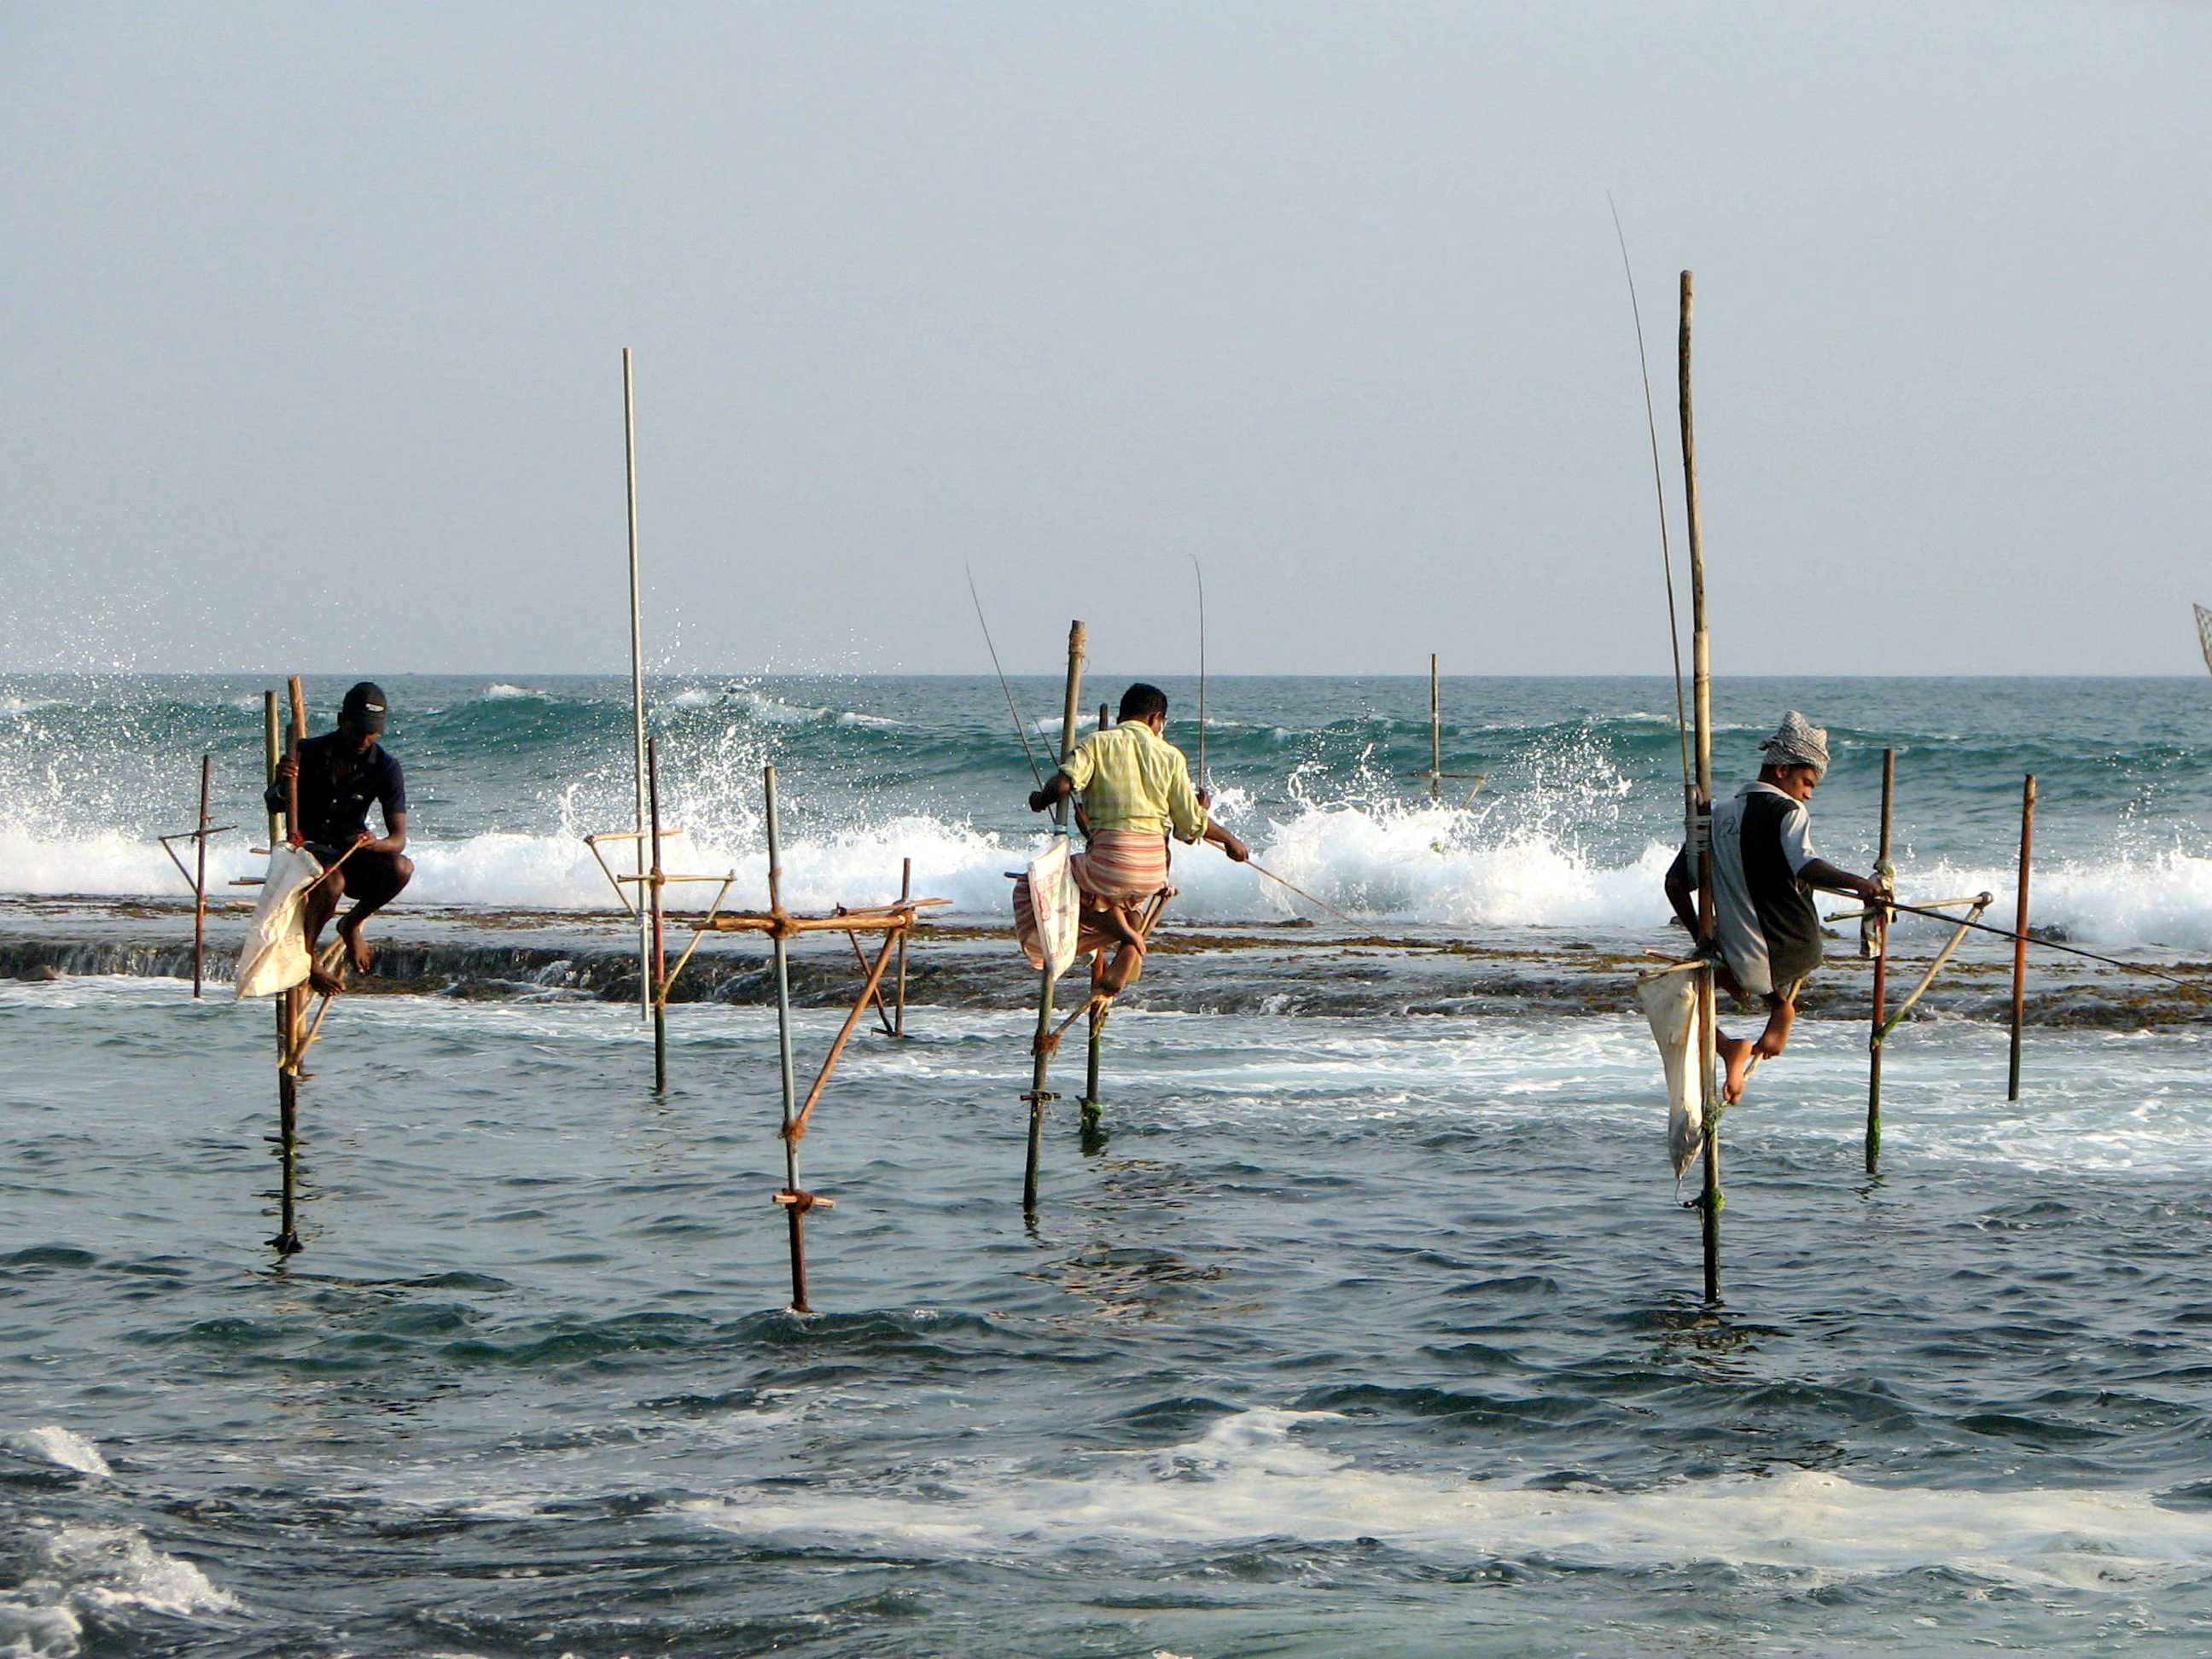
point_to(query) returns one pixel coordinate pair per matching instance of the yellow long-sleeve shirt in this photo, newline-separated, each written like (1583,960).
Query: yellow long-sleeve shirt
(1131,778)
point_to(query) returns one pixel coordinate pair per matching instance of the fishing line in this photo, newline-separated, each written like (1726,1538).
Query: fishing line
(1021,726)
(1658,484)
(1204,781)
(1254,864)
(2048,944)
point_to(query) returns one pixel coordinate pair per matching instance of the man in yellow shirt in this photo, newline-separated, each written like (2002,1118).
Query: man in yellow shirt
(1136,787)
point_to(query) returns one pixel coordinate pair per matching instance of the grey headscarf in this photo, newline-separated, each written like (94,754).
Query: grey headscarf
(1797,742)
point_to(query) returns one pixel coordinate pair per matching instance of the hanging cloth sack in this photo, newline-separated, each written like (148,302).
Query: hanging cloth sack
(1670,1003)
(275,957)
(1048,908)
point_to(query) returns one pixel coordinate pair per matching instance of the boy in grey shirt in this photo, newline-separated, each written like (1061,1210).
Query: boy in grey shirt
(1764,870)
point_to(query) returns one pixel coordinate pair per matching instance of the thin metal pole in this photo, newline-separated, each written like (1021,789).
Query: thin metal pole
(1701,668)
(906,892)
(660,960)
(2019,932)
(781,946)
(1886,874)
(1041,1065)
(199,876)
(1436,733)
(637,682)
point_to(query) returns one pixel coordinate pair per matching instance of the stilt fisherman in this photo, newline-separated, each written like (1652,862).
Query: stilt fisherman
(341,773)
(1136,788)
(1764,872)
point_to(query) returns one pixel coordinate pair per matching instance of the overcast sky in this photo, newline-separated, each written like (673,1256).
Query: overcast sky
(314,315)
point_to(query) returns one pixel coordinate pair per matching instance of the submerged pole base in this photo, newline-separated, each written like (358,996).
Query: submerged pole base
(795,1206)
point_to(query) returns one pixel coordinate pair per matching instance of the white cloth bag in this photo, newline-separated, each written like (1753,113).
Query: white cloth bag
(1670,1003)
(1055,905)
(275,957)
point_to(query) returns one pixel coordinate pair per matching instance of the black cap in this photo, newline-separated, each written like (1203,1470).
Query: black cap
(363,708)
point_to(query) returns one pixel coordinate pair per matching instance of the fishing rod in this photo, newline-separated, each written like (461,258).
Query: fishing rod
(1254,864)
(1658,485)
(1204,779)
(1021,726)
(2048,944)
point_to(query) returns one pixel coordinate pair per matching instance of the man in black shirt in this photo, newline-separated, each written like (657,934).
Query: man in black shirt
(340,773)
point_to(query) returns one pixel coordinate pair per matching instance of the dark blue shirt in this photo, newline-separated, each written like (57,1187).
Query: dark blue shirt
(334,809)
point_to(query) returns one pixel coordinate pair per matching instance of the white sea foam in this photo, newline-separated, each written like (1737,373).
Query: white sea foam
(1253,1476)
(111,1570)
(500,691)
(107,1568)
(1383,861)
(52,1443)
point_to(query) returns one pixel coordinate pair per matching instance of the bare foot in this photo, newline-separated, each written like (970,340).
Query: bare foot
(358,948)
(1735,1052)
(1776,1038)
(323,983)
(1128,962)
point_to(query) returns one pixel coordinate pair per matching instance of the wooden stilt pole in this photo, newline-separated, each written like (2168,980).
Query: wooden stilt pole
(2020,934)
(273,743)
(1435,733)
(199,876)
(1710,1198)
(1090,1102)
(659,960)
(796,1209)
(906,892)
(1041,1065)
(645,977)
(1878,923)
(291,1013)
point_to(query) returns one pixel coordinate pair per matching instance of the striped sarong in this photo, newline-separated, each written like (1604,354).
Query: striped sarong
(1122,868)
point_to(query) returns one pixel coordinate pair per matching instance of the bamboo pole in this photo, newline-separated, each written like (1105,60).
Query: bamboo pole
(906,893)
(2019,932)
(660,958)
(1878,923)
(796,1208)
(1709,1199)
(1041,1065)
(199,876)
(645,1001)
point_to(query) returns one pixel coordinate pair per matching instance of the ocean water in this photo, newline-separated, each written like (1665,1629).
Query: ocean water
(1348,1336)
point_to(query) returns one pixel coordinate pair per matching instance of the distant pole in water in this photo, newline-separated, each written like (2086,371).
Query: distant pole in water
(2019,933)
(1435,733)
(1701,667)
(658,985)
(199,877)
(906,892)
(645,975)
(1877,930)
(1040,1064)
(795,1209)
